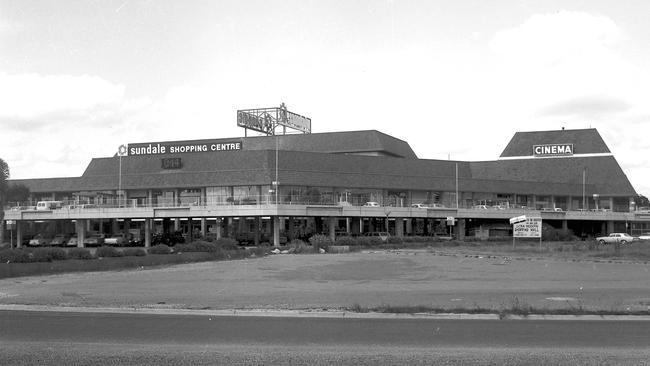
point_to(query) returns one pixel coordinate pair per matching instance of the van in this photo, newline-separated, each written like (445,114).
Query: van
(48,205)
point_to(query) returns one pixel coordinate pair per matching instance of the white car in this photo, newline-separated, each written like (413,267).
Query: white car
(644,236)
(612,238)
(419,205)
(371,204)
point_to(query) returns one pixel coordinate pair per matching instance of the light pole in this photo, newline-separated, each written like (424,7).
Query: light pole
(121,151)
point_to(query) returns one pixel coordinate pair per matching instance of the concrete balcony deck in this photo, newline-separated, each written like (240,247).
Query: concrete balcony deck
(301,210)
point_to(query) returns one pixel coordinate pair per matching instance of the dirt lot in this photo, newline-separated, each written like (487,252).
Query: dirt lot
(427,277)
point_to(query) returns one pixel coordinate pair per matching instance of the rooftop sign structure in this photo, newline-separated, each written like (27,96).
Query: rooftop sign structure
(266,120)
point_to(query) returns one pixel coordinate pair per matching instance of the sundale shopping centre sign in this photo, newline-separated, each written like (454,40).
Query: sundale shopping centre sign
(158,148)
(553,150)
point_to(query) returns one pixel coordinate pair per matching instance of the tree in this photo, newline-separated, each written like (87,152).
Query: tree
(17,193)
(641,201)
(4,176)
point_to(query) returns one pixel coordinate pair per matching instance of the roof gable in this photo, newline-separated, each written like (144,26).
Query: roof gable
(585,141)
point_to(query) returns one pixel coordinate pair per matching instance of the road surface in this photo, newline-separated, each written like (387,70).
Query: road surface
(56,338)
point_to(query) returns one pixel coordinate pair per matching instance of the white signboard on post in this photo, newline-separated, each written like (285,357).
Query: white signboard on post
(531,228)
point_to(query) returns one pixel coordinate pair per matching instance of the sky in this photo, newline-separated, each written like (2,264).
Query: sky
(455,79)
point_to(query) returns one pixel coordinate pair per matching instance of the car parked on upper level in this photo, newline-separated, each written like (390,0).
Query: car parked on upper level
(119,239)
(60,239)
(371,204)
(613,238)
(94,240)
(39,240)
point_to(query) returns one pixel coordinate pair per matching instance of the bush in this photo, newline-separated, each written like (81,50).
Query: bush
(227,243)
(395,240)
(320,241)
(223,244)
(160,249)
(298,246)
(48,254)
(347,240)
(14,256)
(108,252)
(79,253)
(134,252)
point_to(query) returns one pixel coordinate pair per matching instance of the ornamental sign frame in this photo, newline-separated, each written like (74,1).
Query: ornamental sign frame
(546,150)
(265,120)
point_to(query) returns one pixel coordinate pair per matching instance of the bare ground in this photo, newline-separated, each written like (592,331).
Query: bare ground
(449,279)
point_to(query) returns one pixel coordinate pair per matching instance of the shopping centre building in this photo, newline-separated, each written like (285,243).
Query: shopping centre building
(278,187)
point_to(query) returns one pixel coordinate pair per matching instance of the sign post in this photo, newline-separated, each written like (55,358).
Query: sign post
(526,227)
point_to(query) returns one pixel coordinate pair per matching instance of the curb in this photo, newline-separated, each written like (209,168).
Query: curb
(314,314)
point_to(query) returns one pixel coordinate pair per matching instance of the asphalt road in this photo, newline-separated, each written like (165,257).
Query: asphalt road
(49,338)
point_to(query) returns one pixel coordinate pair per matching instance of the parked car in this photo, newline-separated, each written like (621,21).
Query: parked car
(168,238)
(119,239)
(73,241)
(480,207)
(644,236)
(419,205)
(48,205)
(371,204)
(60,239)
(612,238)
(382,235)
(39,240)
(94,240)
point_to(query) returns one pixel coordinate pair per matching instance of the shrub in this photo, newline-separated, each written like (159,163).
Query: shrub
(79,253)
(257,252)
(298,246)
(48,254)
(160,249)
(134,252)
(227,243)
(14,256)
(347,240)
(395,240)
(320,241)
(106,251)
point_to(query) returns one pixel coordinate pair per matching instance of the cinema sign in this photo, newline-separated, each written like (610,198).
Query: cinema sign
(553,150)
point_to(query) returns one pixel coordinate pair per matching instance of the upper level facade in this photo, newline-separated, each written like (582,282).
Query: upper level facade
(548,171)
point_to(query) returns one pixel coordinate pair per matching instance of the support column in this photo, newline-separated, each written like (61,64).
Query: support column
(565,225)
(203,227)
(127,225)
(147,233)
(256,234)
(80,229)
(116,226)
(229,226)
(409,226)
(399,227)
(461,229)
(3,225)
(332,227)
(610,227)
(100,230)
(177,223)
(276,231)
(19,233)
(219,227)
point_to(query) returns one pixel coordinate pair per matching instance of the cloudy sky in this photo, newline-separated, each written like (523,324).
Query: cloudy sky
(455,78)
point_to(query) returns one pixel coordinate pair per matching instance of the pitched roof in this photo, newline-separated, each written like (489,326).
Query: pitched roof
(325,166)
(585,141)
